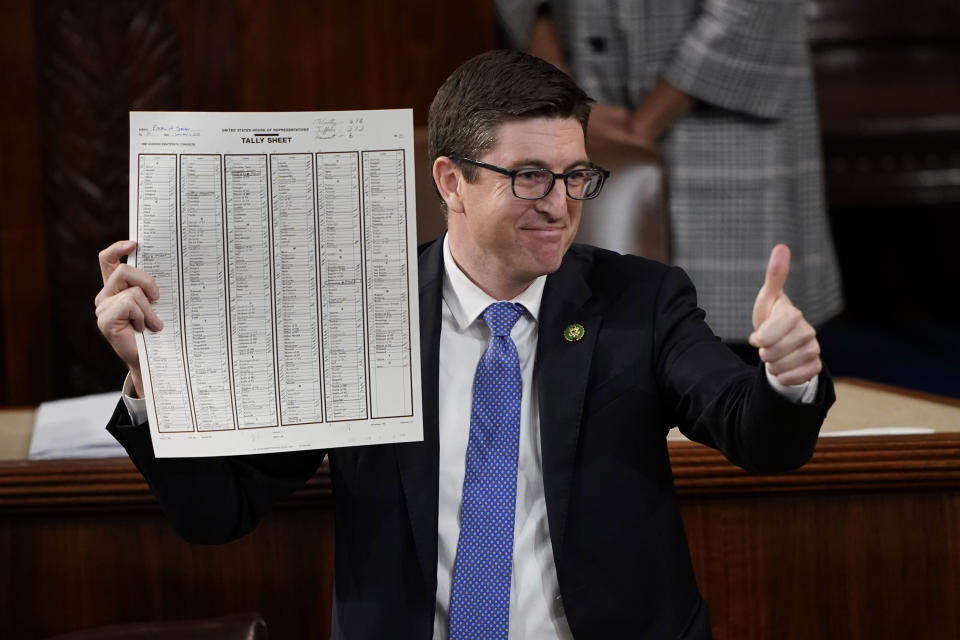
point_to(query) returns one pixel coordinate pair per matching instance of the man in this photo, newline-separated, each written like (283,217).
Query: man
(540,503)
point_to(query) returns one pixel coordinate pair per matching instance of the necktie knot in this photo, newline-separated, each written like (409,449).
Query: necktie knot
(501,316)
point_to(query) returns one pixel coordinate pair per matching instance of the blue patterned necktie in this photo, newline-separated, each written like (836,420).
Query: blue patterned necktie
(480,594)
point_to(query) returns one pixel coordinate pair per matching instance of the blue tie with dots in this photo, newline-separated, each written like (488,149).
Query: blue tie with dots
(480,594)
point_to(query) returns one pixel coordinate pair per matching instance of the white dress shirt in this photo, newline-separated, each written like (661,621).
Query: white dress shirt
(536,612)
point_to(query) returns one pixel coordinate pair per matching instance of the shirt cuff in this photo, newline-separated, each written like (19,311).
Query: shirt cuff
(803,393)
(136,407)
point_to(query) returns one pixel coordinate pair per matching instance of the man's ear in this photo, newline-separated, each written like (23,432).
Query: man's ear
(447,176)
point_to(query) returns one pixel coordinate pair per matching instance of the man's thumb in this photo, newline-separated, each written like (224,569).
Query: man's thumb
(777,270)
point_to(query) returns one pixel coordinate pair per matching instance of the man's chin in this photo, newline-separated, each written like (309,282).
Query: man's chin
(545,265)
(548,254)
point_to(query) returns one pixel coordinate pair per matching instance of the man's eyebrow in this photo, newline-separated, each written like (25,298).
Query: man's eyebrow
(540,164)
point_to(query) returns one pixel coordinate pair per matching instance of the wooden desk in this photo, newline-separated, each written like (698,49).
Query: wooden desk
(863,542)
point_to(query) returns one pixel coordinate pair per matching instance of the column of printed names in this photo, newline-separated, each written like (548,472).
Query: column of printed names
(388,321)
(295,288)
(158,255)
(204,289)
(251,302)
(341,276)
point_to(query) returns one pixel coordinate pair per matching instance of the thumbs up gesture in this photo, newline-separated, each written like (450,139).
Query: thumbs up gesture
(787,342)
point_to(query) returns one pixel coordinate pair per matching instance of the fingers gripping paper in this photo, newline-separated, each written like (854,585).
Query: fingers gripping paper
(284,248)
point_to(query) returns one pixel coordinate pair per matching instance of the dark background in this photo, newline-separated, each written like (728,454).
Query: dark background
(70,70)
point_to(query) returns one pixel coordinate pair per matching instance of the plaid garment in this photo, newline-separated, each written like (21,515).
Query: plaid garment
(744,166)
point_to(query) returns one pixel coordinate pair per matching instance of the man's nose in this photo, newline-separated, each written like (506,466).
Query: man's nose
(555,202)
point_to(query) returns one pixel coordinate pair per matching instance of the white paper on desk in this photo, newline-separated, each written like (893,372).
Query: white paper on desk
(878,431)
(284,248)
(74,428)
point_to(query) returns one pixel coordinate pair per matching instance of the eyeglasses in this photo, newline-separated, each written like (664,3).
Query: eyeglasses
(534,184)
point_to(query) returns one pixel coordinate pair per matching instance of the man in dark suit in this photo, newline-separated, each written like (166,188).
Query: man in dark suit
(607,353)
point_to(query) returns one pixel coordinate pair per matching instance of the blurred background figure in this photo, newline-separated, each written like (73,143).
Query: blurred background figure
(724,90)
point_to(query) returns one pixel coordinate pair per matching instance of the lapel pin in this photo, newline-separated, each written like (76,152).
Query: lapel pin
(573,332)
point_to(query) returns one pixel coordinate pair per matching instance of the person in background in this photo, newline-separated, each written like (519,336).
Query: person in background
(723,89)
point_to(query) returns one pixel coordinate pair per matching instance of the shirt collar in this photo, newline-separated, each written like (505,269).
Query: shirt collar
(467,301)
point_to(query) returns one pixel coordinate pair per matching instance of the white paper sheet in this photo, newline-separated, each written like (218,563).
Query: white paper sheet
(879,431)
(284,247)
(73,428)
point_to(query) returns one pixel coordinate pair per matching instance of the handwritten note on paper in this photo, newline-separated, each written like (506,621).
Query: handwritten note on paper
(284,247)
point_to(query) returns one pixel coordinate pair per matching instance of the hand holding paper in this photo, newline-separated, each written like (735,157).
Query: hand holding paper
(124,305)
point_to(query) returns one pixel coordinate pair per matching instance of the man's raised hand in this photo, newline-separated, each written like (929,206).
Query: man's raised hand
(124,305)
(787,342)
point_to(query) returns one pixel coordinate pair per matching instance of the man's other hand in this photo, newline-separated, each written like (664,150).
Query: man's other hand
(124,305)
(787,342)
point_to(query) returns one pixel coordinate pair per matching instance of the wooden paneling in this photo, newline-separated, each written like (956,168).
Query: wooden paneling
(73,69)
(63,574)
(95,62)
(89,537)
(324,55)
(883,21)
(24,320)
(888,87)
(878,566)
(863,542)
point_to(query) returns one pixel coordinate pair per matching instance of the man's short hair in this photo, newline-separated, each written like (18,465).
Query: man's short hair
(490,89)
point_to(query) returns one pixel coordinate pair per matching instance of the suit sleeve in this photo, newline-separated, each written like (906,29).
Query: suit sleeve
(213,500)
(719,401)
(748,56)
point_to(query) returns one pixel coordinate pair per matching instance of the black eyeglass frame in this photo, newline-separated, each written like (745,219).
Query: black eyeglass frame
(512,173)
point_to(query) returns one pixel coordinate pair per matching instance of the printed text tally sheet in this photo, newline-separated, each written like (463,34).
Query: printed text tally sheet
(284,248)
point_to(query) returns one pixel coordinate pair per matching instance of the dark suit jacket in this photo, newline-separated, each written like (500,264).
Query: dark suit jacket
(647,361)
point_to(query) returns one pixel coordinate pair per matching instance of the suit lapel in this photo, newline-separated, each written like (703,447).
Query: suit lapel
(419,462)
(561,372)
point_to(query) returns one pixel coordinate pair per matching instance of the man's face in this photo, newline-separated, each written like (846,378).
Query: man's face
(503,242)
